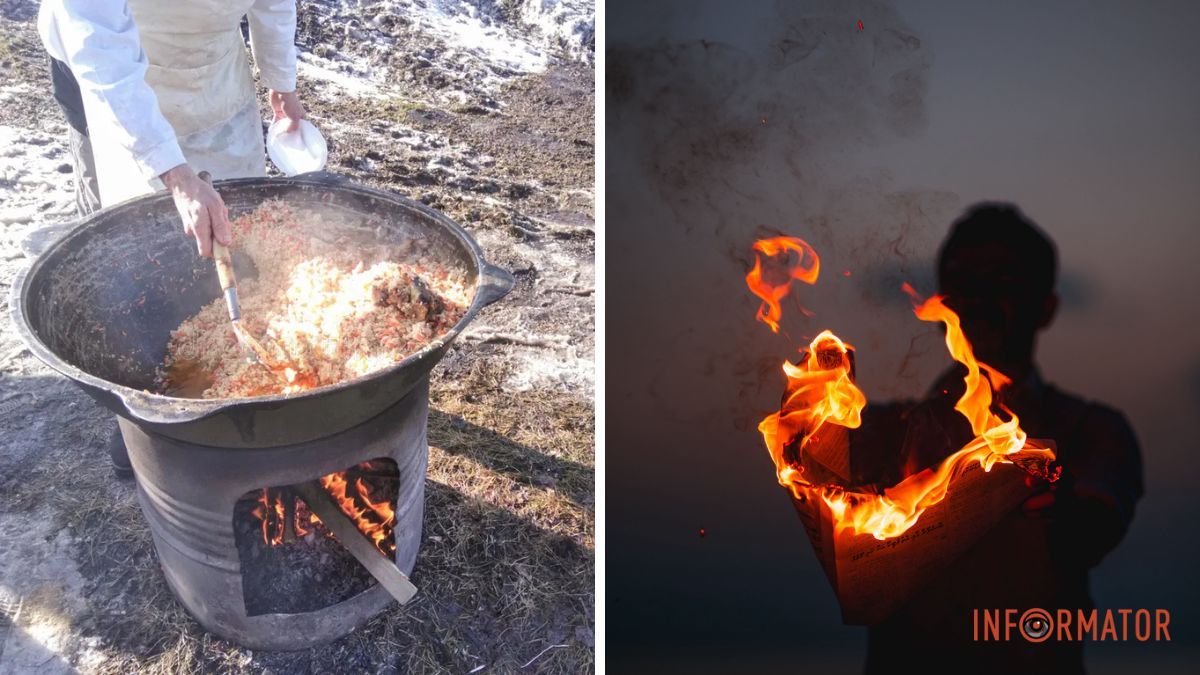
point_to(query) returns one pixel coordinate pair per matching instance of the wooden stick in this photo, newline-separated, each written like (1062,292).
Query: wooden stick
(289,515)
(347,533)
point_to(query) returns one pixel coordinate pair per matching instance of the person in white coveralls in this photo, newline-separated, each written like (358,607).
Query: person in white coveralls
(156,91)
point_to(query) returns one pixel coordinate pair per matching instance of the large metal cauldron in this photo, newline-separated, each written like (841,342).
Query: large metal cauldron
(99,304)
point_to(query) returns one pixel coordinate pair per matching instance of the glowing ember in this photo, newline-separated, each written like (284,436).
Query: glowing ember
(376,520)
(805,267)
(821,391)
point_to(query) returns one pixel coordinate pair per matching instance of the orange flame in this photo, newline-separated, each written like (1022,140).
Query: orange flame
(263,512)
(806,268)
(271,510)
(376,520)
(379,532)
(815,396)
(820,391)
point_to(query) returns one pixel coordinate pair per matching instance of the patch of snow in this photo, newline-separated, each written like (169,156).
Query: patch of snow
(33,189)
(464,50)
(42,587)
(561,353)
(564,370)
(567,24)
(310,68)
(465,27)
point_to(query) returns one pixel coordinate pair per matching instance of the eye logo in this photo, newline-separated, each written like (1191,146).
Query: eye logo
(1035,625)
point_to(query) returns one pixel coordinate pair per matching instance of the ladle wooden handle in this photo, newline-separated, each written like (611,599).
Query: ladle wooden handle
(220,251)
(224,263)
(224,266)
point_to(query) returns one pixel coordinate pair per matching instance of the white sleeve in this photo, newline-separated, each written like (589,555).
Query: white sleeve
(99,42)
(273,39)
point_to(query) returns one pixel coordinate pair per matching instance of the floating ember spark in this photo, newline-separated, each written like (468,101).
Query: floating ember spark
(805,267)
(821,391)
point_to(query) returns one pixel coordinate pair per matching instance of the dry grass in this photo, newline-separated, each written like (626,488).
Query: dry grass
(22,60)
(18,53)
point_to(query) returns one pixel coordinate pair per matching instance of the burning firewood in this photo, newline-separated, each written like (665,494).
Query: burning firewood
(364,493)
(348,532)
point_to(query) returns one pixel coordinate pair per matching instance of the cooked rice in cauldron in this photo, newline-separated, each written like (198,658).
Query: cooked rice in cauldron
(325,312)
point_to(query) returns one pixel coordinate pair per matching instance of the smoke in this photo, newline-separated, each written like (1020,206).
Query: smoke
(757,132)
(725,130)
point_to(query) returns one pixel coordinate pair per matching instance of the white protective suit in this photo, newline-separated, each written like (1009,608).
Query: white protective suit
(167,81)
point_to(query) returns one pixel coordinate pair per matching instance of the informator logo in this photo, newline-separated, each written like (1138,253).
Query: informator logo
(1071,625)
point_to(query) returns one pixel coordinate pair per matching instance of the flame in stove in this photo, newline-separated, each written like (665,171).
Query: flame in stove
(820,391)
(265,512)
(376,520)
(271,511)
(805,267)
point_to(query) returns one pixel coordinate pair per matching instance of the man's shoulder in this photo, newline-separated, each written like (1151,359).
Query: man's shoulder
(1094,417)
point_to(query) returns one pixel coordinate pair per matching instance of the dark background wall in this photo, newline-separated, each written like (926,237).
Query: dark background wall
(726,121)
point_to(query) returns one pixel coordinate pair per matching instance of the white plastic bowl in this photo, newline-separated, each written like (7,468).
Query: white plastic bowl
(299,151)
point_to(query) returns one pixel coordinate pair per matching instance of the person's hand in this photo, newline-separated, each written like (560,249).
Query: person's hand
(1038,506)
(1042,503)
(287,104)
(203,211)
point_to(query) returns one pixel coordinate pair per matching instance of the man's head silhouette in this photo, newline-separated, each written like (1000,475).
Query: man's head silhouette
(997,270)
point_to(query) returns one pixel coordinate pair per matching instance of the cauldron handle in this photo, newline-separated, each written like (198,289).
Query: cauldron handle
(494,283)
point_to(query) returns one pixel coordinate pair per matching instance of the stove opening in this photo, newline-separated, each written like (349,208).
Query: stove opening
(291,562)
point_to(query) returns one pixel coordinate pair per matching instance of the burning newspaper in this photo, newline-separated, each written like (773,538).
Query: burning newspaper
(874,577)
(878,546)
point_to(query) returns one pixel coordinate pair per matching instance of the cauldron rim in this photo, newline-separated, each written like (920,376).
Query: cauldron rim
(491,284)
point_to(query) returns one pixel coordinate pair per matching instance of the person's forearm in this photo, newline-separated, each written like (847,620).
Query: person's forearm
(273,41)
(98,41)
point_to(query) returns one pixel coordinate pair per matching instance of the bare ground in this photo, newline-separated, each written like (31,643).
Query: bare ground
(506,567)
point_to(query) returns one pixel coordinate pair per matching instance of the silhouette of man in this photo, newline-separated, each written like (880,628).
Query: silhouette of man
(997,270)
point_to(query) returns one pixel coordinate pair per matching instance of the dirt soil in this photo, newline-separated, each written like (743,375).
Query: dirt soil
(497,132)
